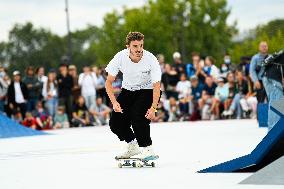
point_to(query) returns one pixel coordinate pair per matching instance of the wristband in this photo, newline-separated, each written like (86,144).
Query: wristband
(154,109)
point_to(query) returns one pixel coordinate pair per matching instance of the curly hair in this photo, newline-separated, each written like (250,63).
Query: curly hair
(133,36)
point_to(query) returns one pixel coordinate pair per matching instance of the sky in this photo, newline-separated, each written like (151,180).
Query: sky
(50,14)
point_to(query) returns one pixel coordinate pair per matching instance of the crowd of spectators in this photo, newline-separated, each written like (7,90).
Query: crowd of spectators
(199,90)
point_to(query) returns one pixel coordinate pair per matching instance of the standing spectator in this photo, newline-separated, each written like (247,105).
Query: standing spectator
(87,81)
(65,85)
(184,91)
(17,95)
(195,68)
(257,71)
(81,115)
(3,92)
(40,74)
(210,69)
(50,93)
(232,90)
(161,60)
(178,65)
(60,119)
(34,88)
(100,111)
(76,91)
(100,85)
(169,81)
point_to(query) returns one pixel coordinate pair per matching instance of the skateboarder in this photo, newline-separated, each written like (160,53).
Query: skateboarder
(136,105)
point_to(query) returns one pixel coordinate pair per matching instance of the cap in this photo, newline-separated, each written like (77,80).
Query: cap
(220,79)
(72,67)
(194,77)
(16,73)
(176,55)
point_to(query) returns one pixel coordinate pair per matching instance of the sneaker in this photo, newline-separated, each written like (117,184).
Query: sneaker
(227,113)
(146,152)
(131,150)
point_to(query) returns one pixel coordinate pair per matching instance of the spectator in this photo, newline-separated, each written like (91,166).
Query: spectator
(232,90)
(206,100)
(257,71)
(196,92)
(178,66)
(81,115)
(3,93)
(87,82)
(29,121)
(40,74)
(184,91)
(161,60)
(100,85)
(43,119)
(162,114)
(172,107)
(60,119)
(242,91)
(34,88)
(50,93)
(76,91)
(169,81)
(210,69)
(17,95)
(100,111)
(221,95)
(65,85)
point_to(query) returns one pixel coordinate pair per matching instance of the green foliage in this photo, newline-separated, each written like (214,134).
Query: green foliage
(272,32)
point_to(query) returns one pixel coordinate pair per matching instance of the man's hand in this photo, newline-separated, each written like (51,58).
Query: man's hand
(150,114)
(116,107)
(257,85)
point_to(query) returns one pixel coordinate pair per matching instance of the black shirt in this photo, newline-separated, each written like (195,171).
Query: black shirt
(65,85)
(210,90)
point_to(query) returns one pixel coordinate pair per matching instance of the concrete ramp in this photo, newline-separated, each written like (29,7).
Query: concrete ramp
(273,174)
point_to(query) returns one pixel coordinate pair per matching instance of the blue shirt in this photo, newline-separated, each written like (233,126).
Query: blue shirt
(256,70)
(197,91)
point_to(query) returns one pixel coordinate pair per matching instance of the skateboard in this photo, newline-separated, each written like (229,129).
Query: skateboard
(137,162)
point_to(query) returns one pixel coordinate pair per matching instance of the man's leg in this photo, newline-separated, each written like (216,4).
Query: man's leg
(120,123)
(140,124)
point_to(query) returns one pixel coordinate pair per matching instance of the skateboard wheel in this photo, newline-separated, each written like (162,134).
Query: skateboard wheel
(119,165)
(139,165)
(134,164)
(153,164)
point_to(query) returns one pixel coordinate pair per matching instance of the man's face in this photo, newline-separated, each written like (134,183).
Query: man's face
(194,82)
(63,70)
(195,59)
(209,81)
(41,71)
(263,48)
(17,78)
(86,69)
(136,48)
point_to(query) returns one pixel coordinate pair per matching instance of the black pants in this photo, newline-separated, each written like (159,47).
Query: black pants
(261,94)
(135,105)
(67,102)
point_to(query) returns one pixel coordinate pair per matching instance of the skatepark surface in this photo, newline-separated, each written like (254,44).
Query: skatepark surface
(84,157)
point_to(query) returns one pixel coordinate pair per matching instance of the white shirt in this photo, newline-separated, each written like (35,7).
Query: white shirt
(136,76)
(183,88)
(88,83)
(19,97)
(52,90)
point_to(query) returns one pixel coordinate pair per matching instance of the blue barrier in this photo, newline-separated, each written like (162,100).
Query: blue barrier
(268,150)
(262,114)
(10,128)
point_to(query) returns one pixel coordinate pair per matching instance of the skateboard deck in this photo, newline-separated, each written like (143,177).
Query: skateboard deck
(137,162)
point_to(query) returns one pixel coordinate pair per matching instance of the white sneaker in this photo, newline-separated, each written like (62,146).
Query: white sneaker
(146,152)
(131,150)
(228,113)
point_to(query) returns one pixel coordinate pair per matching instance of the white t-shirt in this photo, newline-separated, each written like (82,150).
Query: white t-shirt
(88,84)
(136,76)
(183,88)
(19,97)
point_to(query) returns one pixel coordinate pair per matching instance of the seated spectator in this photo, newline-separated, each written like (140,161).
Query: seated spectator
(171,105)
(29,121)
(221,95)
(196,91)
(100,111)
(242,91)
(162,114)
(210,69)
(43,119)
(206,100)
(232,90)
(60,119)
(184,90)
(81,115)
